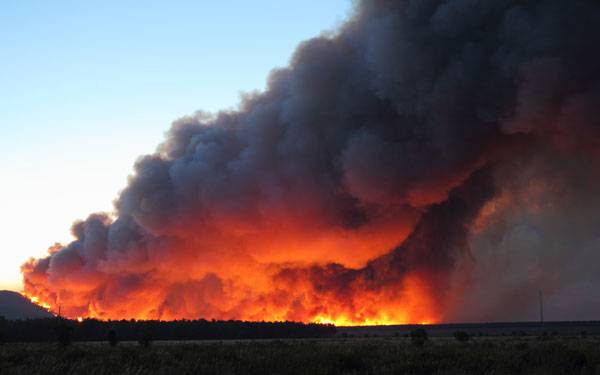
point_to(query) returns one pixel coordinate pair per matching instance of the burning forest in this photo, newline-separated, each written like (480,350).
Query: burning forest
(428,161)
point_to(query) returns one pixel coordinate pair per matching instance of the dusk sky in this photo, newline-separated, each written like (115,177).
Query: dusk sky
(87,87)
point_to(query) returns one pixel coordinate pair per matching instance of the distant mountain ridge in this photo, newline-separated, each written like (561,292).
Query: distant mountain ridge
(14,306)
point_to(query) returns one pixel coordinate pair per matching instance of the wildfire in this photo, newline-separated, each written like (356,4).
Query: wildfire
(36,300)
(352,190)
(356,321)
(268,297)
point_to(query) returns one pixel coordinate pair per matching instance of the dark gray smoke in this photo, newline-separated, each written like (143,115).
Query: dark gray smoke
(435,157)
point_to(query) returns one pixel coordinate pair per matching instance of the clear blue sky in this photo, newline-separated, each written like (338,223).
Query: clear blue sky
(87,86)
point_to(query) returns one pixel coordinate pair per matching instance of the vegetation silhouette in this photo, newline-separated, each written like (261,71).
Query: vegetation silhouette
(462,336)
(498,355)
(146,336)
(2,328)
(65,331)
(419,337)
(112,338)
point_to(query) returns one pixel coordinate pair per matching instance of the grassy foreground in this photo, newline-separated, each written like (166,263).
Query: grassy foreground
(350,356)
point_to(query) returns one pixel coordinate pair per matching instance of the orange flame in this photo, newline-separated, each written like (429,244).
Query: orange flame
(410,304)
(36,300)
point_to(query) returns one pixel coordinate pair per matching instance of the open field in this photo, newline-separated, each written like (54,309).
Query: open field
(575,328)
(387,355)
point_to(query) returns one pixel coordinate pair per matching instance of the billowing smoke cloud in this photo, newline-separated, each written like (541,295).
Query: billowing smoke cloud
(432,160)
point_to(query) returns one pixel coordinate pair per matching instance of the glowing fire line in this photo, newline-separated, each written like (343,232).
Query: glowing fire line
(37,301)
(320,319)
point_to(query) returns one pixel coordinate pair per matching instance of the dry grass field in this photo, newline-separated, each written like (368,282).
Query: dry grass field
(387,355)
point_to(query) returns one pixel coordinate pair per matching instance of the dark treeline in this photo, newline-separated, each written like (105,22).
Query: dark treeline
(40,330)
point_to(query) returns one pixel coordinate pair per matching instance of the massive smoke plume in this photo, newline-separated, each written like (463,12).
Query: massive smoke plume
(430,161)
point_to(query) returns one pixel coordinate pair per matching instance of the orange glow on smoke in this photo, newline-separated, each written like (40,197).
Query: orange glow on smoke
(416,307)
(280,270)
(264,301)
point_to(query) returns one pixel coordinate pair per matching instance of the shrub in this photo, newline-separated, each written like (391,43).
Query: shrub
(544,337)
(63,334)
(522,346)
(112,338)
(350,362)
(145,340)
(2,328)
(461,336)
(418,337)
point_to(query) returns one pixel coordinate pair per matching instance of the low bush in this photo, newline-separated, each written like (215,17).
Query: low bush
(462,336)
(418,337)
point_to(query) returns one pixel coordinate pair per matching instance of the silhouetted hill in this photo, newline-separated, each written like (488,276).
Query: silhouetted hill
(14,306)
